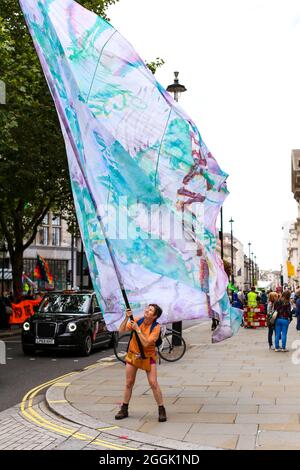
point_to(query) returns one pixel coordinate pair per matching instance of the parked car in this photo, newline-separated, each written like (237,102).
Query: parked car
(66,320)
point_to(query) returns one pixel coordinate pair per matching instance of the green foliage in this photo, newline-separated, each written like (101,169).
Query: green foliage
(153,66)
(98,6)
(33,165)
(34,173)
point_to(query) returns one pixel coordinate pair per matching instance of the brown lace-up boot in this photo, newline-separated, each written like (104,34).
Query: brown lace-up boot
(123,412)
(162,415)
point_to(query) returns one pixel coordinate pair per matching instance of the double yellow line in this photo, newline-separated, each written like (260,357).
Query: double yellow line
(29,413)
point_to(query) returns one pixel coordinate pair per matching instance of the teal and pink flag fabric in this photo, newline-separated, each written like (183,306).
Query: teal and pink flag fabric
(147,190)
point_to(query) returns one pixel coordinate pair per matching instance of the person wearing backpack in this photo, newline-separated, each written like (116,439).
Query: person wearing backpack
(283,319)
(297,308)
(142,349)
(272,299)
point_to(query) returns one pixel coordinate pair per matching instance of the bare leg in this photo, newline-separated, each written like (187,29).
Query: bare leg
(152,379)
(130,380)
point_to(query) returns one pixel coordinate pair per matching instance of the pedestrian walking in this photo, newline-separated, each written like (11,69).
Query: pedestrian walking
(252,304)
(272,299)
(283,319)
(145,333)
(3,317)
(264,300)
(236,301)
(252,298)
(241,297)
(297,308)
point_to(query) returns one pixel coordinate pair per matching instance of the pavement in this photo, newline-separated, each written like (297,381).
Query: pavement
(15,330)
(237,394)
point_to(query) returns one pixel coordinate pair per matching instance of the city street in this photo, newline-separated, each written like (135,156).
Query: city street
(25,410)
(237,394)
(21,373)
(149,246)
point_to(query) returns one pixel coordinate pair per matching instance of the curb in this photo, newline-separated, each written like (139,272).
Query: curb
(58,404)
(10,334)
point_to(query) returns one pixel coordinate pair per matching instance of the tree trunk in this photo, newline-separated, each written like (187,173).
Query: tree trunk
(17,272)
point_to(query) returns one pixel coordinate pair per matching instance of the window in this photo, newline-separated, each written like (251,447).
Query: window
(63,303)
(56,236)
(56,220)
(46,220)
(44,235)
(58,269)
(96,308)
(56,230)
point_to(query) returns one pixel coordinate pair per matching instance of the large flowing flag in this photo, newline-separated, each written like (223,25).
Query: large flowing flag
(147,190)
(42,271)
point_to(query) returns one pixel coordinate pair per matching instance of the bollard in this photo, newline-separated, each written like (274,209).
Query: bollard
(2,352)
(177,326)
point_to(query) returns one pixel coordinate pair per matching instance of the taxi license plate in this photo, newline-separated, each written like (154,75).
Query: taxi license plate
(44,341)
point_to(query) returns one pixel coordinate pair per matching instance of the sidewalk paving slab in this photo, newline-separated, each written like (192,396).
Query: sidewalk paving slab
(233,395)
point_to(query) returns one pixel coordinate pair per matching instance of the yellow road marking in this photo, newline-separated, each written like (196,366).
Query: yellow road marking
(108,428)
(30,414)
(61,384)
(45,385)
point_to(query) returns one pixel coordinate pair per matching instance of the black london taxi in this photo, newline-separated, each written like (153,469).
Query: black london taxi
(66,320)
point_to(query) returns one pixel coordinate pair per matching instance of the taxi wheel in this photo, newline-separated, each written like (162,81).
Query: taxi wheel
(114,339)
(86,347)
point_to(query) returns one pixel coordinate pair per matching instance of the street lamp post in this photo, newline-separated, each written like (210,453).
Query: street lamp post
(231,221)
(255,270)
(72,261)
(176,88)
(252,268)
(249,244)
(221,235)
(3,250)
(81,266)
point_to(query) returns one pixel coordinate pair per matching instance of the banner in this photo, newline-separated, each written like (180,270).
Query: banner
(22,311)
(135,158)
(290,269)
(42,271)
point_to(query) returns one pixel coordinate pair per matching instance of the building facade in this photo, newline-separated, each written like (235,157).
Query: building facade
(292,254)
(271,279)
(245,273)
(54,243)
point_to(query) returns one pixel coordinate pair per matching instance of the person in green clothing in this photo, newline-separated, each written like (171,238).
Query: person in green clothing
(252,298)
(252,303)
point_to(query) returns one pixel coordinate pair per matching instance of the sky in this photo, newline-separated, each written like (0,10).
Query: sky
(239,60)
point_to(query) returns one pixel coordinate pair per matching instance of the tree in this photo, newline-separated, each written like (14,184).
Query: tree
(155,64)
(34,174)
(227,268)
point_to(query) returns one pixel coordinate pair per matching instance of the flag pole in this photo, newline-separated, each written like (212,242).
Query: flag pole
(76,153)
